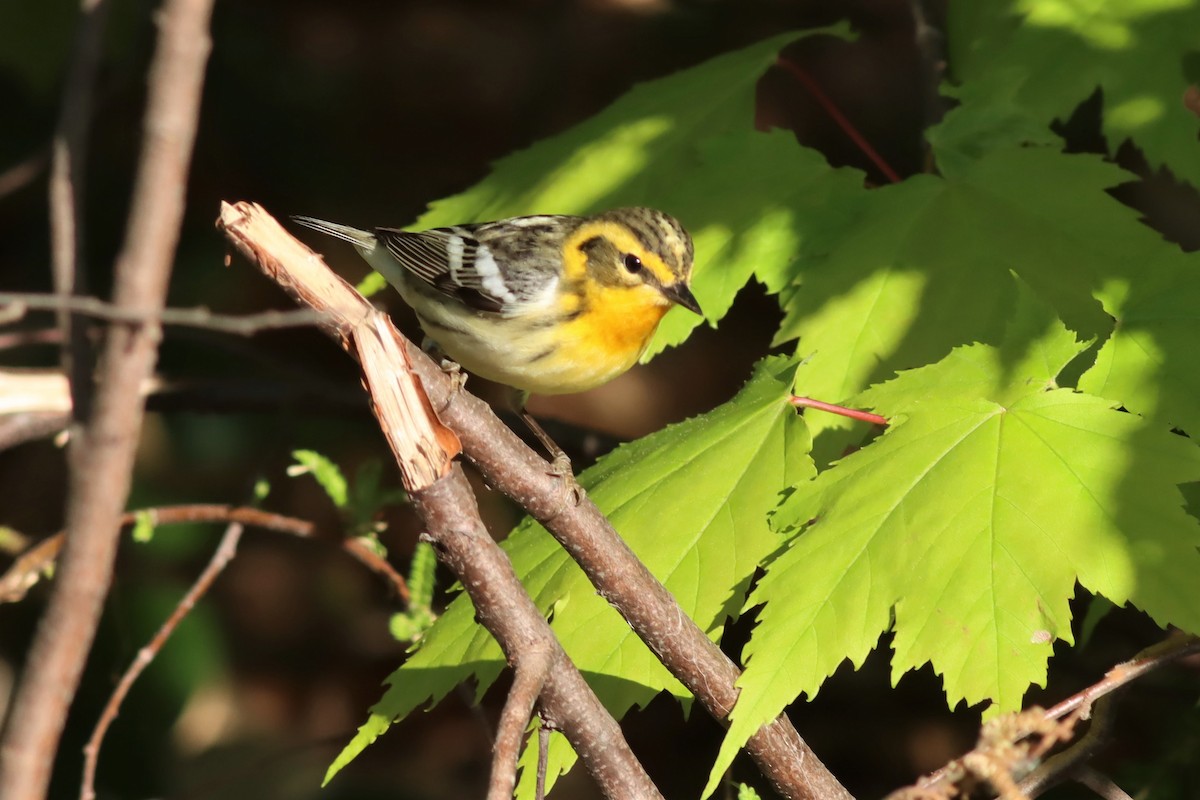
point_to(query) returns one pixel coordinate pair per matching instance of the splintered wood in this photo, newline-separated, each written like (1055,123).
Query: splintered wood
(424,447)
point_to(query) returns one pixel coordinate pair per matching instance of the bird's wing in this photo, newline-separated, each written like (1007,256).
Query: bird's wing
(482,266)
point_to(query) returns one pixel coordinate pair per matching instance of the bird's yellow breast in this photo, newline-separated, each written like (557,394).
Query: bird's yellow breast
(590,349)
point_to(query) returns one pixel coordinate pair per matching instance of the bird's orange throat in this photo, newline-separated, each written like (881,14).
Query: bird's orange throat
(618,321)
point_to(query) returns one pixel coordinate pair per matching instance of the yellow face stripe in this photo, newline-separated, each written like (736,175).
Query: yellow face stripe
(575,260)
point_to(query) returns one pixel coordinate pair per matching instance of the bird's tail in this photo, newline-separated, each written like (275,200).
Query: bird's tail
(363,240)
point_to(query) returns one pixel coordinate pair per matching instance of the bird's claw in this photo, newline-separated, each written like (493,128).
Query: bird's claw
(571,494)
(452,369)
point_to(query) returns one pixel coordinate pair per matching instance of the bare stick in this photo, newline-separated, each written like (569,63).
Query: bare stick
(68,159)
(101,456)
(539,789)
(530,676)
(1007,745)
(25,426)
(15,339)
(241,325)
(366,556)
(843,411)
(394,372)
(839,118)
(37,402)
(24,172)
(28,568)
(503,607)
(225,552)
(1062,766)
(1096,702)
(1102,785)
(1150,659)
(1078,706)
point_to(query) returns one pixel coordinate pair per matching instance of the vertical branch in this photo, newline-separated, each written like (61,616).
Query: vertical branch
(101,456)
(68,157)
(530,677)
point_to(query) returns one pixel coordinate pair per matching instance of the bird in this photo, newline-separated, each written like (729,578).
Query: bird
(545,304)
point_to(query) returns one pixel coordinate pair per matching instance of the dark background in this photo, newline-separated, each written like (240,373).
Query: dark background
(364,112)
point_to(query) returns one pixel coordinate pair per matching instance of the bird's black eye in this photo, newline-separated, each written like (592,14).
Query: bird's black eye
(633,263)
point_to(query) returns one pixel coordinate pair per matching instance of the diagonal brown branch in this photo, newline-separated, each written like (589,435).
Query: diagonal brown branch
(508,465)
(28,568)
(530,677)
(943,782)
(423,447)
(1152,658)
(24,172)
(791,766)
(504,608)
(102,453)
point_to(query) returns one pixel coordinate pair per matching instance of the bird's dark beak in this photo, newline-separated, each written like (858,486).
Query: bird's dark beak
(681,294)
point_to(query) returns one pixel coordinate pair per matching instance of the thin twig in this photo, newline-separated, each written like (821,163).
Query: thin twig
(1101,784)
(15,339)
(543,760)
(1008,745)
(530,675)
(1150,659)
(832,408)
(835,113)
(66,192)
(47,390)
(24,172)
(35,404)
(506,610)
(102,451)
(30,566)
(225,552)
(241,325)
(377,563)
(938,783)
(1063,765)
(26,426)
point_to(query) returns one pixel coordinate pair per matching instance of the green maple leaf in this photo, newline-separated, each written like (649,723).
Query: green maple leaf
(690,500)
(686,144)
(917,268)
(1151,364)
(1021,64)
(992,493)
(753,200)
